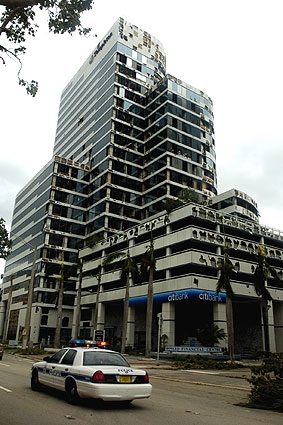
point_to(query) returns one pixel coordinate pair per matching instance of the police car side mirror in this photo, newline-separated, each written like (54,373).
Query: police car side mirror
(46,359)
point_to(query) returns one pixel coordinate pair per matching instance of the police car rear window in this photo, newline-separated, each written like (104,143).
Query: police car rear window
(92,358)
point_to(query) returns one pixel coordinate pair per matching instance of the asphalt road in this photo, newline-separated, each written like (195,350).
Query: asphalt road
(179,398)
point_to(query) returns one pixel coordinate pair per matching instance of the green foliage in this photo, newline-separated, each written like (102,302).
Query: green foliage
(267,383)
(262,272)
(201,362)
(93,240)
(209,336)
(148,261)
(129,268)
(17,22)
(31,351)
(5,242)
(186,195)
(226,268)
(125,263)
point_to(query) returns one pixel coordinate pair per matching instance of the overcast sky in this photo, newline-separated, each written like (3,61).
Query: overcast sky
(231,50)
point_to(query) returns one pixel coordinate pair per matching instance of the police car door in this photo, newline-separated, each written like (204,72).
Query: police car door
(63,369)
(50,368)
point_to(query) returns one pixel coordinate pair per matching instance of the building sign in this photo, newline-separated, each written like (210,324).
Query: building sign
(185,349)
(99,335)
(182,295)
(100,47)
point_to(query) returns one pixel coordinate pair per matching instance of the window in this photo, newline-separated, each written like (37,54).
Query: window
(92,358)
(57,356)
(69,357)
(44,320)
(65,321)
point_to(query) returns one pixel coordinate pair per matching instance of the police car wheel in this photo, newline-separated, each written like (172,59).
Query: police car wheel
(72,396)
(34,382)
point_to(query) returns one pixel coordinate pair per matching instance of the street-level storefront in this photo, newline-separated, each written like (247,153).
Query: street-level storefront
(184,312)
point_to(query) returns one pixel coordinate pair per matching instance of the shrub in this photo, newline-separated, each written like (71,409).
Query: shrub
(202,362)
(267,383)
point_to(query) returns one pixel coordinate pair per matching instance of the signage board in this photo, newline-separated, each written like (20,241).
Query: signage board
(183,295)
(98,335)
(187,349)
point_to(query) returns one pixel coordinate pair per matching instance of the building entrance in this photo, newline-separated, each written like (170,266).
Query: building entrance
(247,327)
(189,317)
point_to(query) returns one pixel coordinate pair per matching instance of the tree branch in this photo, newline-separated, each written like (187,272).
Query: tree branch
(12,4)
(9,19)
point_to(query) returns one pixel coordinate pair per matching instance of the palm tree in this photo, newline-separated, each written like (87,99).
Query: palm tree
(65,273)
(148,265)
(210,335)
(129,270)
(223,284)
(79,296)
(59,307)
(91,242)
(98,275)
(262,272)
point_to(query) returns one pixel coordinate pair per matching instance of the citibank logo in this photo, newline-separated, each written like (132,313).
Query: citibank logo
(193,294)
(182,295)
(178,296)
(206,296)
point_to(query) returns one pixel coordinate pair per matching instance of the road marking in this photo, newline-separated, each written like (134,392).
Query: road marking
(200,371)
(5,389)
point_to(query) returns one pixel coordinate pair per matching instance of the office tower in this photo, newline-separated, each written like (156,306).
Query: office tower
(144,135)
(129,138)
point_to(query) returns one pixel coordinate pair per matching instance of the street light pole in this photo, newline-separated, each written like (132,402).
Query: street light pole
(160,320)
(26,333)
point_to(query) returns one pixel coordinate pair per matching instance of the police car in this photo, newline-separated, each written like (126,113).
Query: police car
(89,372)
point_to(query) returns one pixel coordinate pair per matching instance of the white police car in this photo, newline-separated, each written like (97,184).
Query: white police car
(91,373)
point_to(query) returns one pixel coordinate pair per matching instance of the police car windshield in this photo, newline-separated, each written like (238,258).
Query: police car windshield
(92,358)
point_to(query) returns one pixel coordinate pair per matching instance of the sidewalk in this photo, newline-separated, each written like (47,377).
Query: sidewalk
(151,364)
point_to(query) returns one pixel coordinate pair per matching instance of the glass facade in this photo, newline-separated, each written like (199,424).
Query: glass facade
(128,137)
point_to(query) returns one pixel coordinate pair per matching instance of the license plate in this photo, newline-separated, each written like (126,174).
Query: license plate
(125,379)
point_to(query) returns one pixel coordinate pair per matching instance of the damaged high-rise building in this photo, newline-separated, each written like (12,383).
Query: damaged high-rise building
(132,144)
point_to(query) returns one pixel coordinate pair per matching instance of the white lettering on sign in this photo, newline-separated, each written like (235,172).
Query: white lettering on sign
(178,296)
(184,348)
(205,296)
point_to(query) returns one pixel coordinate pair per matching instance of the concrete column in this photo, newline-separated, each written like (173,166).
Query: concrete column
(271,328)
(168,325)
(219,319)
(130,338)
(278,326)
(100,316)
(168,253)
(2,316)
(35,324)
(74,328)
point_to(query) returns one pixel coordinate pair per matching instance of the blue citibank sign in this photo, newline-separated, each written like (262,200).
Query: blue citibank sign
(182,295)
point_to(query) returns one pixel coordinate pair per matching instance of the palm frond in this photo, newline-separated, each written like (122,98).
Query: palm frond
(112,257)
(262,272)
(226,268)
